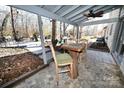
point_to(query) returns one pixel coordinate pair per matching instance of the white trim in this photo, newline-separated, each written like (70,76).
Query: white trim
(100,22)
(42,12)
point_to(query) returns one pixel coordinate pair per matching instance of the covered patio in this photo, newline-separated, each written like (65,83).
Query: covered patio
(95,68)
(68,14)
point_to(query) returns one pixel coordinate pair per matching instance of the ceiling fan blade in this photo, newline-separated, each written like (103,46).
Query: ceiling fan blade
(99,14)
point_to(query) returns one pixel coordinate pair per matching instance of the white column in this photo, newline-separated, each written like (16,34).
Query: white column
(40,23)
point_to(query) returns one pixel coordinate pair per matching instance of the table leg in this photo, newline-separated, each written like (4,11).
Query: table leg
(75,63)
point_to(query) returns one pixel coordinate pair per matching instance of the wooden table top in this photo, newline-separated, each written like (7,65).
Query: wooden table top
(74,47)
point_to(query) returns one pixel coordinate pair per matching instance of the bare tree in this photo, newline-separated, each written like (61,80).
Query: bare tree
(3,26)
(12,23)
(26,25)
(22,22)
(4,22)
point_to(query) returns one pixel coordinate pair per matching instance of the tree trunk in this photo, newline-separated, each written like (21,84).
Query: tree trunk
(26,27)
(13,27)
(4,23)
(63,29)
(22,22)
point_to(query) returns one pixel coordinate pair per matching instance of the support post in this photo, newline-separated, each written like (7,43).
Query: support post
(60,30)
(53,32)
(40,23)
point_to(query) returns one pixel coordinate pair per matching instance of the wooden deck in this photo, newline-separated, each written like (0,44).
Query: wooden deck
(96,69)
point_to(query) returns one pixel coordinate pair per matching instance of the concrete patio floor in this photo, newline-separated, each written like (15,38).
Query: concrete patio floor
(96,69)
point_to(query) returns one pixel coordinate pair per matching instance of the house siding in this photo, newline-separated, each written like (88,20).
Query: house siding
(113,36)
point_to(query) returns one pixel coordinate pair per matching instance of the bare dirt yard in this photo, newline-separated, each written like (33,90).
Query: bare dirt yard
(94,46)
(15,62)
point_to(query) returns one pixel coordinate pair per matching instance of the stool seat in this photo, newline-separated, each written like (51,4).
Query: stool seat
(63,58)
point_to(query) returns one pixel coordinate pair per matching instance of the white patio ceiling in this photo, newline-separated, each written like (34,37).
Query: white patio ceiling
(71,14)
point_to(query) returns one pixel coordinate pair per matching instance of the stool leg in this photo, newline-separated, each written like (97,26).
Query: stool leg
(71,70)
(57,76)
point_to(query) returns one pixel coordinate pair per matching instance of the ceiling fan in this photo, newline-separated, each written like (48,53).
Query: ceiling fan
(92,14)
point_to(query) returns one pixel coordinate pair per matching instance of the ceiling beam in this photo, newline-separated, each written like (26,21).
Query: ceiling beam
(112,8)
(80,19)
(105,9)
(81,15)
(110,20)
(96,10)
(81,10)
(57,8)
(42,12)
(69,10)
